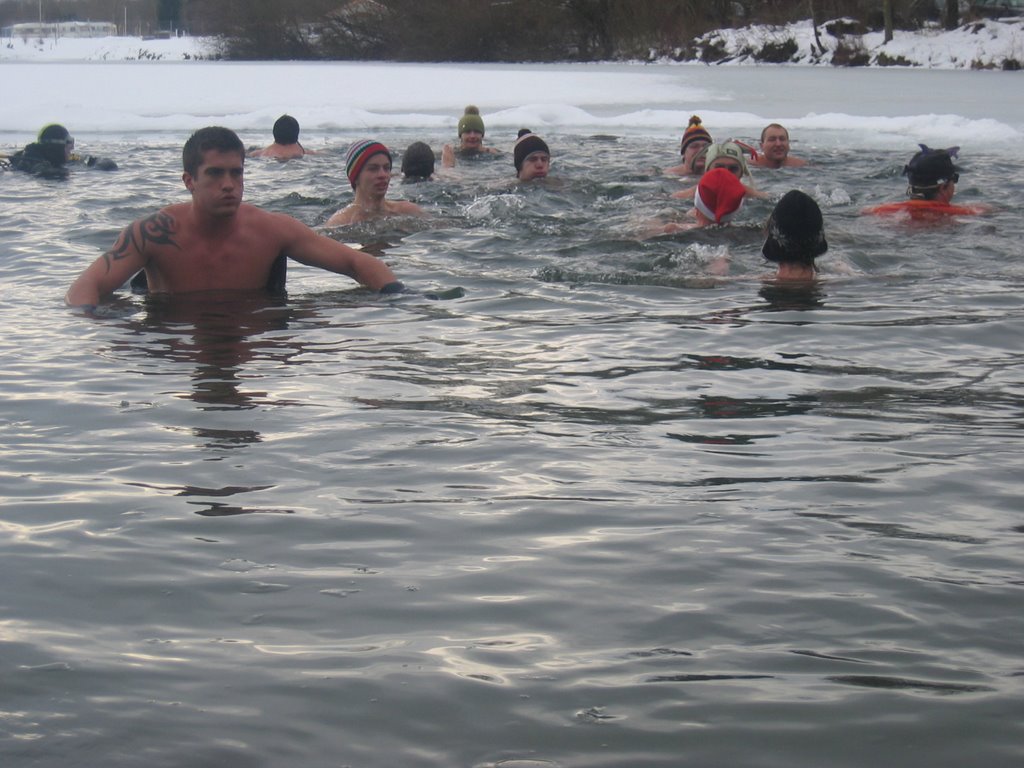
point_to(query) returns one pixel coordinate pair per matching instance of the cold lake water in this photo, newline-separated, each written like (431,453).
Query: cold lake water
(577,501)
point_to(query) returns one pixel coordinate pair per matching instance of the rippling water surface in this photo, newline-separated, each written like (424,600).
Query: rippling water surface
(599,507)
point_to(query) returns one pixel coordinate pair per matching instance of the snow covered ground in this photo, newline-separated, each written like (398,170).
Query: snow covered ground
(105,49)
(983,44)
(986,44)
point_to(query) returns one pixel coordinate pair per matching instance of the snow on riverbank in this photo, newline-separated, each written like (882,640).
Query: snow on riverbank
(995,44)
(106,49)
(986,44)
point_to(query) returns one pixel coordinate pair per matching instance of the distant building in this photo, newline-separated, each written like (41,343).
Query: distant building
(46,30)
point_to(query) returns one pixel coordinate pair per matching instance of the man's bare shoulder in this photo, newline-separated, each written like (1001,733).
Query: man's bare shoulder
(789,162)
(347,215)
(252,217)
(403,208)
(279,152)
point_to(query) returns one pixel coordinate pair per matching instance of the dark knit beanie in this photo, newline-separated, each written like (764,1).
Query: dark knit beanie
(796,230)
(527,143)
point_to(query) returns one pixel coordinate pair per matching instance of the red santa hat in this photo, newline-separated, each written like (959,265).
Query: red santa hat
(719,195)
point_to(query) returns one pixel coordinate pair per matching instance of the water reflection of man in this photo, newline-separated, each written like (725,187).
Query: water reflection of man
(215,241)
(217,337)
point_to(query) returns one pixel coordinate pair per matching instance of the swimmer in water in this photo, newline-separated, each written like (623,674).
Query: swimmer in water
(286,144)
(471,139)
(932,180)
(795,236)
(695,140)
(531,156)
(368,167)
(215,241)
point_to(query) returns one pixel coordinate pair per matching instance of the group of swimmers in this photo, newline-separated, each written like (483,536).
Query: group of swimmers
(217,242)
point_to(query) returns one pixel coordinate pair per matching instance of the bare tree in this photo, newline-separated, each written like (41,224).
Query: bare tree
(951,17)
(887,18)
(813,8)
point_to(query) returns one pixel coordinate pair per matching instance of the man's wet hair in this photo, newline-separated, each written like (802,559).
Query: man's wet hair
(286,130)
(205,139)
(418,162)
(773,125)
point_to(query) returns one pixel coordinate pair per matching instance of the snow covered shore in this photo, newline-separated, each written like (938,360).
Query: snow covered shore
(988,44)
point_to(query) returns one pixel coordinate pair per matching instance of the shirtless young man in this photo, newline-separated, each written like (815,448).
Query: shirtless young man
(775,149)
(215,241)
(368,166)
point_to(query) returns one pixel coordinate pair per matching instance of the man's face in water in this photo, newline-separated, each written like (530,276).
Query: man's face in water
(693,157)
(472,141)
(217,186)
(775,144)
(535,166)
(375,177)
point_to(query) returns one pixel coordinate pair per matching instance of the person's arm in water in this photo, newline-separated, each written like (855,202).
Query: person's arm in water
(307,247)
(754,192)
(114,268)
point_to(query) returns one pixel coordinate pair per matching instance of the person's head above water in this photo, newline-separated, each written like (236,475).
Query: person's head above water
(695,139)
(54,144)
(719,195)
(930,171)
(418,161)
(729,155)
(695,132)
(286,130)
(214,137)
(359,154)
(795,231)
(530,155)
(54,133)
(471,121)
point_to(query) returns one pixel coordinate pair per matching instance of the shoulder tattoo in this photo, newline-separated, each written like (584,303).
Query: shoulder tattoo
(157,229)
